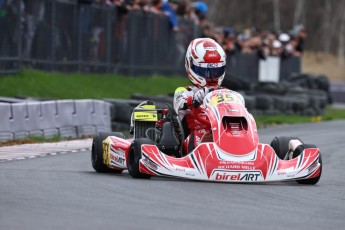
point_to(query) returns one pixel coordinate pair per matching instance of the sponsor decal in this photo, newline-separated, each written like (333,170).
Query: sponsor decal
(118,156)
(212,65)
(150,164)
(237,162)
(146,116)
(236,175)
(240,165)
(180,169)
(229,166)
(281,173)
(118,160)
(211,55)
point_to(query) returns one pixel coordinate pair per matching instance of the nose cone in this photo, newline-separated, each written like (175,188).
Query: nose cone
(235,134)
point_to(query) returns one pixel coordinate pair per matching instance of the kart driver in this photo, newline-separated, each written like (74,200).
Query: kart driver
(205,65)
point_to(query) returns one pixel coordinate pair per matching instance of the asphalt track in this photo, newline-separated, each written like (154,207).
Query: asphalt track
(63,192)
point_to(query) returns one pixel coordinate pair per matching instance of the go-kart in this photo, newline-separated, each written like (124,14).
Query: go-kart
(229,152)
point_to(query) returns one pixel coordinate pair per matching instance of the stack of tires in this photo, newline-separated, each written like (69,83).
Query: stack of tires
(121,111)
(302,94)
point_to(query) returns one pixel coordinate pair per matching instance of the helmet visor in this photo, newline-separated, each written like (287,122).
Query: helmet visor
(208,73)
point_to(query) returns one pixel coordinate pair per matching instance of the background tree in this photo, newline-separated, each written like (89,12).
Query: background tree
(324,19)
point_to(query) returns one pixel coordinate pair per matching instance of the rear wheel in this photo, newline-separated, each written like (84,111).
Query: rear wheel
(281,146)
(134,157)
(97,152)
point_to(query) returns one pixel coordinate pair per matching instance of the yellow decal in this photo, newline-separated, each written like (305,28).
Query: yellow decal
(106,151)
(148,106)
(224,98)
(146,116)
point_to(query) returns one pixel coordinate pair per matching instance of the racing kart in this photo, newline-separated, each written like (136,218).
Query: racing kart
(229,152)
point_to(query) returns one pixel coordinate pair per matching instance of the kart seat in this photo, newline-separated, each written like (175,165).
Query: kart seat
(168,143)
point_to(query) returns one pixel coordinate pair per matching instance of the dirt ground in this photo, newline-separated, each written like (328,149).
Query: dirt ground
(326,64)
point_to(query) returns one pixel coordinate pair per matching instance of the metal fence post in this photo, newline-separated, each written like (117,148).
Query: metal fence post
(53,53)
(109,40)
(79,55)
(20,34)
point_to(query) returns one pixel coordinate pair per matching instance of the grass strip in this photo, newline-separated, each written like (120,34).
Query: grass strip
(264,121)
(55,85)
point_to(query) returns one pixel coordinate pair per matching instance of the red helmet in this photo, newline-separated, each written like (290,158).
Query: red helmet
(205,62)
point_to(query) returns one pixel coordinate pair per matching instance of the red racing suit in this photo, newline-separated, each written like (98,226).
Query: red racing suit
(183,101)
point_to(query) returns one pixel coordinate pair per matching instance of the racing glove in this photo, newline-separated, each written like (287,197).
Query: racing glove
(199,96)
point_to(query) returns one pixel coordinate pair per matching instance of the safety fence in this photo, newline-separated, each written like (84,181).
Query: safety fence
(69,36)
(64,35)
(65,118)
(255,69)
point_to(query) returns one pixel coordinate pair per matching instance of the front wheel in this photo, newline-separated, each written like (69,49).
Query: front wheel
(281,146)
(134,157)
(314,180)
(97,152)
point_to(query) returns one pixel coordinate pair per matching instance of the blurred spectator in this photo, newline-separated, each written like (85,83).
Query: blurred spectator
(33,14)
(301,33)
(286,49)
(169,8)
(200,7)
(276,48)
(250,40)
(155,7)
(122,6)
(262,43)
(229,43)
(195,11)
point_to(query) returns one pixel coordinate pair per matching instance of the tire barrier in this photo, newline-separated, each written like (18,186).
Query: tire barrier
(121,111)
(65,118)
(312,82)
(276,101)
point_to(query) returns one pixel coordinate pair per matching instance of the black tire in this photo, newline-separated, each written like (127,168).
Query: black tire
(264,102)
(250,102)
(281,146)
(97,152)
(134,155)
(314,180)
